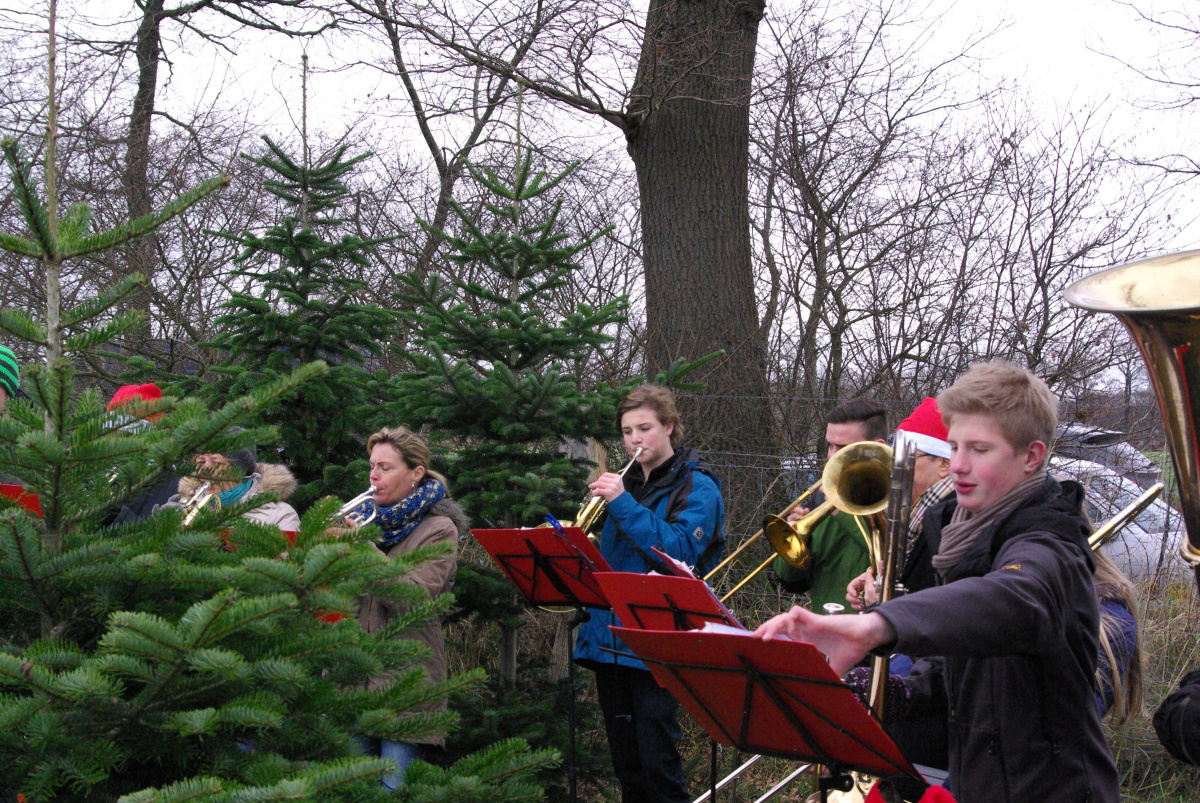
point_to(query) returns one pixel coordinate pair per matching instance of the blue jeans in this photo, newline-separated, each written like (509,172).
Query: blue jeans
(402,753)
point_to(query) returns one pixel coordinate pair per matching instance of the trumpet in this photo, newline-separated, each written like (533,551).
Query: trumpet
(197,501)
(346,511)
(593,507)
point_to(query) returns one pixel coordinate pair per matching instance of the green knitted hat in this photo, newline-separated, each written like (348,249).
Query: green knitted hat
(10,372)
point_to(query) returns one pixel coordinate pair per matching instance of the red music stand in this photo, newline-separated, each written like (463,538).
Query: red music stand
(548,568)
(24,498)
(775,698)
(661,602)
(553,566)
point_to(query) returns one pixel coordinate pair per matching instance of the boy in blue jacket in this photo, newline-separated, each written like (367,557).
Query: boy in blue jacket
(671,501)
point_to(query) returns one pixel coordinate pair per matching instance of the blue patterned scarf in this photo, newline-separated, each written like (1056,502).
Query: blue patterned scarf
(399,520)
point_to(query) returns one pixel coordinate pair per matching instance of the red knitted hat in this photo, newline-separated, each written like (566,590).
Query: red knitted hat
(128,394)
(926,428)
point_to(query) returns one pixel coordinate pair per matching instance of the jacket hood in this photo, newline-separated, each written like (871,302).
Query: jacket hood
(269,477)
(452,510)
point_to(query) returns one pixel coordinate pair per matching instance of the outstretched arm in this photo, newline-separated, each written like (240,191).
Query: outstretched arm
(846,640)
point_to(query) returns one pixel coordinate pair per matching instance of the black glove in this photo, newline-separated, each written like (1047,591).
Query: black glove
(1177,720)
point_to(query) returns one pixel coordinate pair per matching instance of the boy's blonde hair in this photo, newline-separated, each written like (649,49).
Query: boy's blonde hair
(1020,403)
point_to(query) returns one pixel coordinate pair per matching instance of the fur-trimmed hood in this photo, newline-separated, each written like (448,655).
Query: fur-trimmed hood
(266,477)
(452,510)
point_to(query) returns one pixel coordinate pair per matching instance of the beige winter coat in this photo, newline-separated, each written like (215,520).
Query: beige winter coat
(266,477)
(445,523)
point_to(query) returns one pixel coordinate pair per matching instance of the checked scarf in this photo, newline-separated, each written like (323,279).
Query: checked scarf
(399,520)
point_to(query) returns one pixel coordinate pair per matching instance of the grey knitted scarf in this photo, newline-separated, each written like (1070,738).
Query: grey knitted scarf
(959,535)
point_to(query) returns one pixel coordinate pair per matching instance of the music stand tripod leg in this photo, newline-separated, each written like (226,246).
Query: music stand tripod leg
(580,616)
(712,773)
(837,779)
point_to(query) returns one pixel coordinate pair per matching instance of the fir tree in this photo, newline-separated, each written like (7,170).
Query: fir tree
(301,308)
(491,373)
(148,664)
(504,386)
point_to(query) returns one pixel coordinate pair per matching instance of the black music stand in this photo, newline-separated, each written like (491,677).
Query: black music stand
(553,566)
(775,698)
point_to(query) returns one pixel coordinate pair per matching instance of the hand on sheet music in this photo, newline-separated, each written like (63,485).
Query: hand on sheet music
(845,640)
(609,485)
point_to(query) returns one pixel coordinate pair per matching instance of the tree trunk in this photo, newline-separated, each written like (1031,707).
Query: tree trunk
(689,136)
(137,154)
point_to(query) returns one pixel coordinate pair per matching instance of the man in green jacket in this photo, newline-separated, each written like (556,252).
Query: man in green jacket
(838,551)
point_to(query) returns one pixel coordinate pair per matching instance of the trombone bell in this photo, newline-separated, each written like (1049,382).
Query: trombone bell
(787,542)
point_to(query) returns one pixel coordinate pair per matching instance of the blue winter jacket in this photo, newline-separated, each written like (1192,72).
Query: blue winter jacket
(682,514)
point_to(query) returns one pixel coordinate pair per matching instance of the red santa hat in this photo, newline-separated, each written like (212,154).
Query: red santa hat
(128,394)
(926,429)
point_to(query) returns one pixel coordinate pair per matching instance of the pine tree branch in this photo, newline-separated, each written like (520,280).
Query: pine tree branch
(145,224)
(28,201)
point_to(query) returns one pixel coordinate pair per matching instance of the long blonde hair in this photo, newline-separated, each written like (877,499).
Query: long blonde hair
(413,449)
(1129,693)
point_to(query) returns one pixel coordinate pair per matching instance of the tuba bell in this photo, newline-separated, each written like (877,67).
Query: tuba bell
(1158,301)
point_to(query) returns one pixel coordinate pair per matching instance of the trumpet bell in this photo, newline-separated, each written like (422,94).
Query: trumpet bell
(786,541)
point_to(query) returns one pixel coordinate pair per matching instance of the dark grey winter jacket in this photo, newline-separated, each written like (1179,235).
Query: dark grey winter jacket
(1016,624)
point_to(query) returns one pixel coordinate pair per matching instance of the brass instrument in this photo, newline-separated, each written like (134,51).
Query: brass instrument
(855,481)
(346,511)
(1105,532)
(895,548)
(1158,301)
(795,503)
(593,507)
(197,501)
(590,511)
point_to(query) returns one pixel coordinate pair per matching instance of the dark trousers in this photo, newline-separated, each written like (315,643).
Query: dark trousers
(639,716)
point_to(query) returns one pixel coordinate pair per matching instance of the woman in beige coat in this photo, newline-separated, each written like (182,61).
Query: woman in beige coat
(414,509)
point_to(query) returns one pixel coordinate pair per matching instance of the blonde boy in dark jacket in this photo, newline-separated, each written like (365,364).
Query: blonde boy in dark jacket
(1014,613)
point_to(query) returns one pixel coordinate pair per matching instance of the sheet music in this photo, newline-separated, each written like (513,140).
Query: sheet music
(718,627)
(678,567)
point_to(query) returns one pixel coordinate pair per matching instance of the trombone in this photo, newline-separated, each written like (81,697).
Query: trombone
(795,503)
(855,481)
(1105,532)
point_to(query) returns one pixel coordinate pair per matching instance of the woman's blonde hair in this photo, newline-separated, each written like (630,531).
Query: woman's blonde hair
(1128,688)
(413,449)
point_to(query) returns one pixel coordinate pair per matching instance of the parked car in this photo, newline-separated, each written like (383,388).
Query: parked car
(1108,448)
(1147,545)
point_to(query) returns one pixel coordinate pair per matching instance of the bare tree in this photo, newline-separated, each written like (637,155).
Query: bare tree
(684,115)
